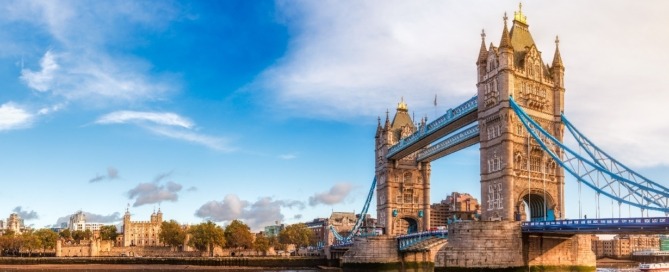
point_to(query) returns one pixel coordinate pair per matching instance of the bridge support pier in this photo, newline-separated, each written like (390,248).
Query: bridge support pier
(501,246)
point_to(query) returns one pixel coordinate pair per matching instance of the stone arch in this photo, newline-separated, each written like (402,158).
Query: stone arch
(535,206)
(408,224)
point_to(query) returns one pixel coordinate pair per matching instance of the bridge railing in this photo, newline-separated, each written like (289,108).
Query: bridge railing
(600,224)
(407,240)
(450,115)
(449,142)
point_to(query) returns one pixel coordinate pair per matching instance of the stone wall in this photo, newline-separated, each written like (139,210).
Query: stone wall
(378,249)
(479,244)
(554,250)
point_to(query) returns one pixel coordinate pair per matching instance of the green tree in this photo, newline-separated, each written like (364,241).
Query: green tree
(88,234)
(205,236)
(238,234)
(65,234)
(261,244)
(108,232)
(30,242)
(172,234)
(47,238)
(78,235)
(298,234)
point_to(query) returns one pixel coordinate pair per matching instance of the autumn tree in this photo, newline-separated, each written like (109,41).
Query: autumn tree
(172,234)
(261,244)
(205,236)
(108,232)
(238,234)
(298,234)
(47,238)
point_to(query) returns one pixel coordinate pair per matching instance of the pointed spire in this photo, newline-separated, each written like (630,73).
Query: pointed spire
(557,59)
(506,38)
(483,53)
(387,124)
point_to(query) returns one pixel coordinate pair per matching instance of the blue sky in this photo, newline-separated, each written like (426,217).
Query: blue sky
(266,110)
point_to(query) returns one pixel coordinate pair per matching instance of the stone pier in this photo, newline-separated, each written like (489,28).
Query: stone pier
(501,246)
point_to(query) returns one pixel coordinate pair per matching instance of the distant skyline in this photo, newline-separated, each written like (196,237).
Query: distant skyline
(266,110)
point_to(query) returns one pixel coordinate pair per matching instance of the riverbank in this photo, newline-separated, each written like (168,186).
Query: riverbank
(155,262)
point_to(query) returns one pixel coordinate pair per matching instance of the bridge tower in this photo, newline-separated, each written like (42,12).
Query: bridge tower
(515,173)
(403,186)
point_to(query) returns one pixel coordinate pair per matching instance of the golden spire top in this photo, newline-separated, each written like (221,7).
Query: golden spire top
(518,15)
(402,106)
(557,40)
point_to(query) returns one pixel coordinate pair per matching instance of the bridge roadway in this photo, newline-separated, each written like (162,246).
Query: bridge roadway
(453,120)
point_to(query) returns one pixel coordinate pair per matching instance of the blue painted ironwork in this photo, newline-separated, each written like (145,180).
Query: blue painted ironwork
(606,161)
(407,240)
(449,117)
(595,176)
(449,142)
(358,222)
(604,225)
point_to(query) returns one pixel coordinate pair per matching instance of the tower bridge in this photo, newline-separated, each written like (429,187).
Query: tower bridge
(516,116)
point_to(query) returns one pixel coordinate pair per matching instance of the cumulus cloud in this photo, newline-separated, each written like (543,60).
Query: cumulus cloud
(265,211)
(92,217)
(112,173)
(24,214)
(155,192)
(335,195)
(13,116)
(41,80)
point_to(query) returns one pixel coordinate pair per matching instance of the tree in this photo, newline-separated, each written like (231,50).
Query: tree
(30,242)
(108,232)
(298,234)
(172,234)
(238,234)
(88,234)
(261,244)
(205,236)
(47,238)
(78,235)
(65,234)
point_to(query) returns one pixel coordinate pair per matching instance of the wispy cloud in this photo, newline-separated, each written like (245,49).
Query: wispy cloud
(289,156)
(81,67)
(26,215)
(13,116)
(112,173)
(166,124)
(263,212)
(335,195)
(159,118)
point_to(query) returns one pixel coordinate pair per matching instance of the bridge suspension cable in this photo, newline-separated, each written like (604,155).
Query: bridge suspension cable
(360,219)
(594,175)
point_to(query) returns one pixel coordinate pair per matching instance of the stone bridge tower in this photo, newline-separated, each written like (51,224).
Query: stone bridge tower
(402,186)
(514,169)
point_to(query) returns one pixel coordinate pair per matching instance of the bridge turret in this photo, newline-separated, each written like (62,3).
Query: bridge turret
(558,79)
(482,61)
(513,171)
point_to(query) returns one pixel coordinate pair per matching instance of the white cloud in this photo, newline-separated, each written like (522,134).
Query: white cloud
(265,211)
(335,195)
(79,66)
(14,117)
(152,192)
(41,80)
(160,118)
(289,156)
(212,142)
(351,60)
